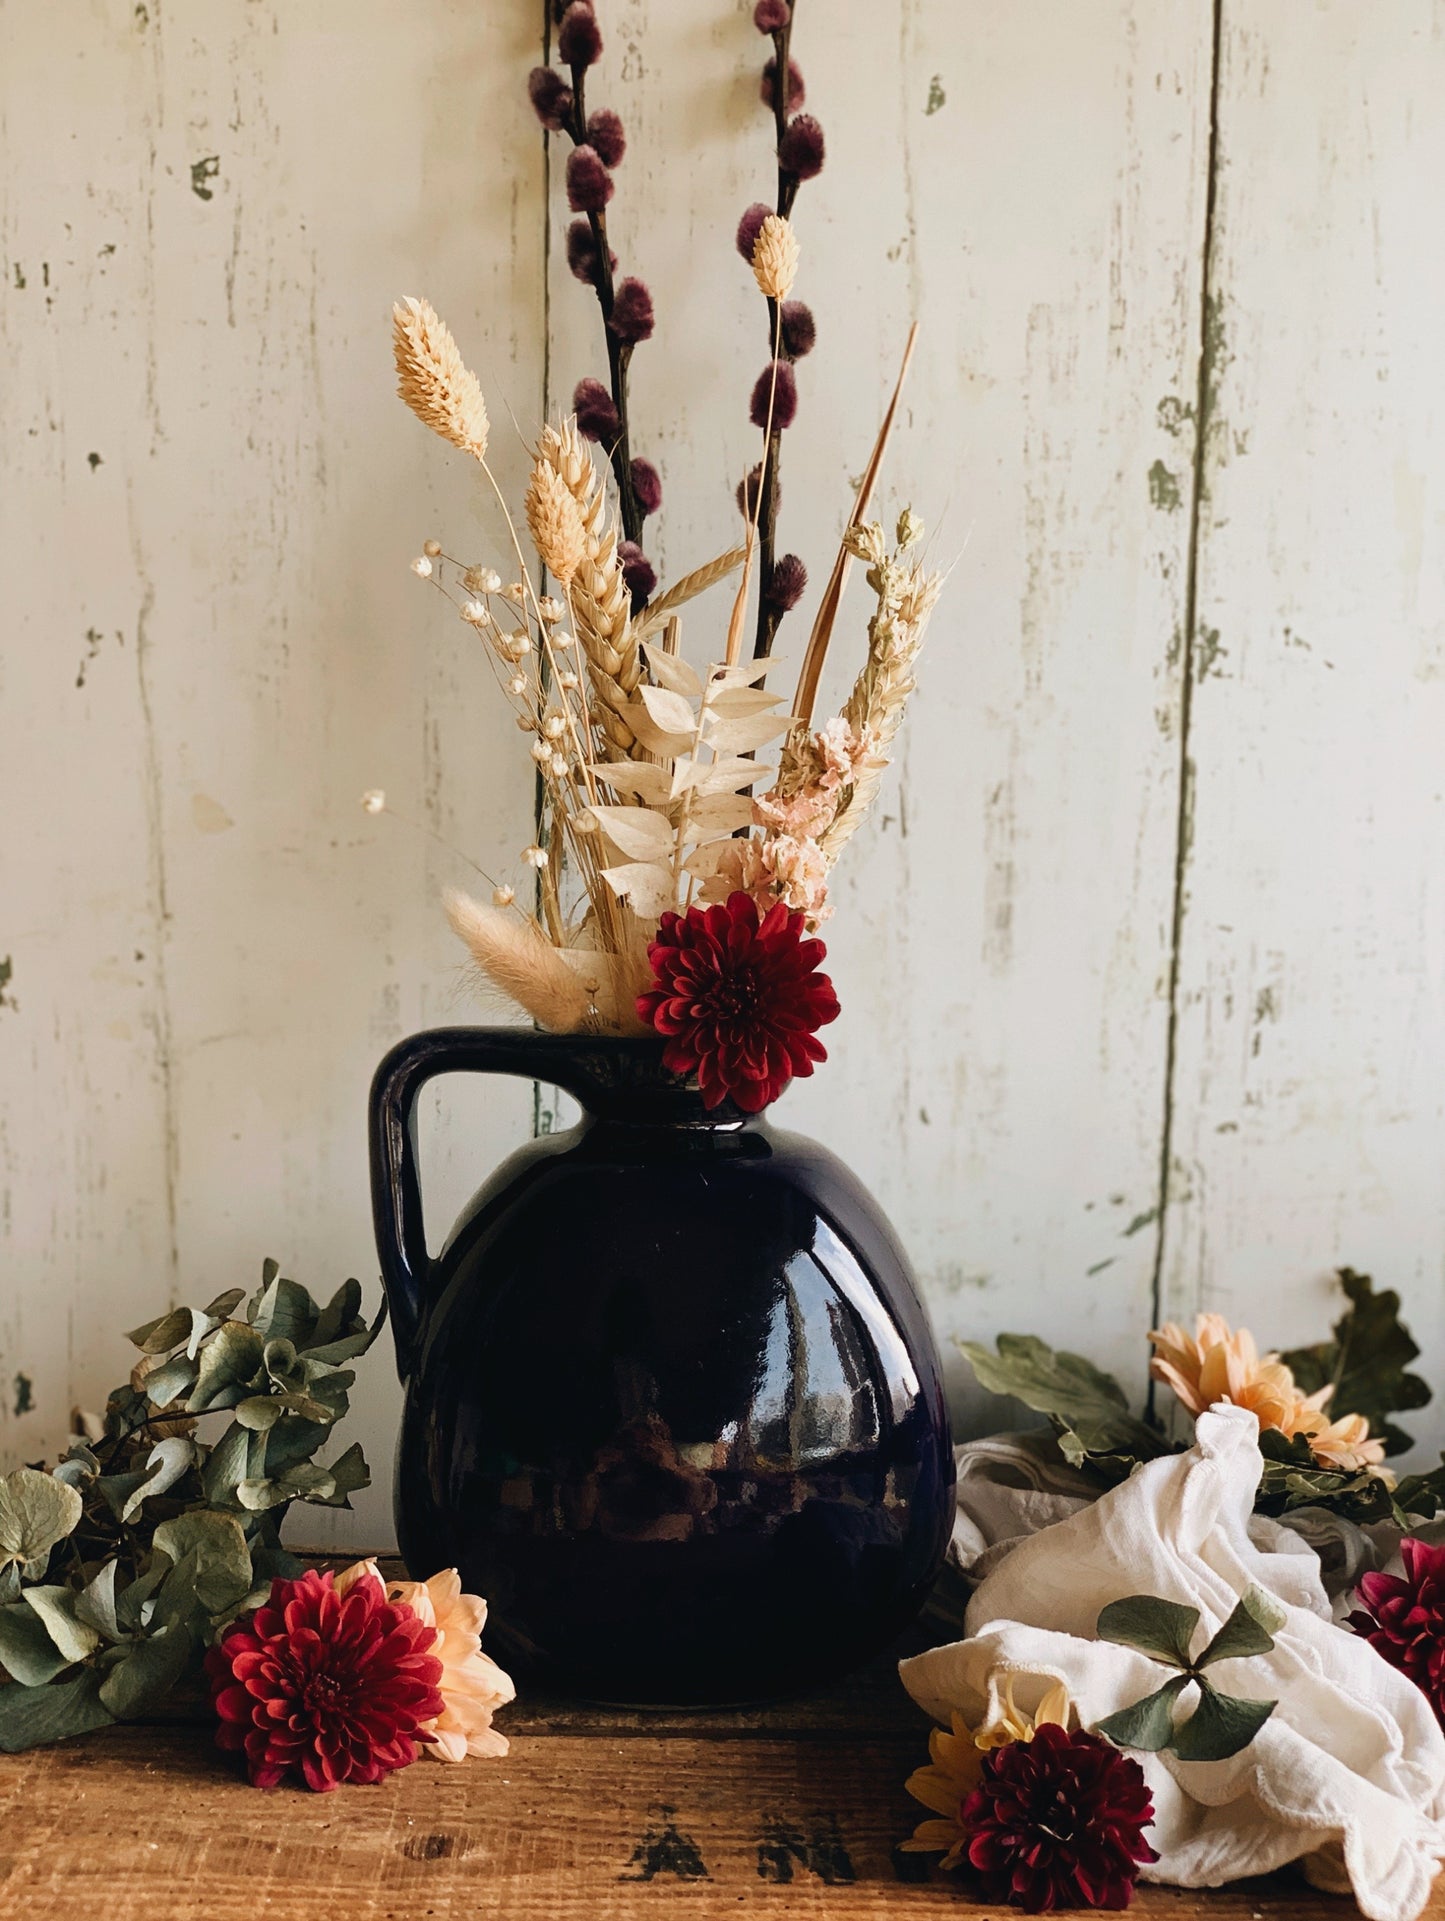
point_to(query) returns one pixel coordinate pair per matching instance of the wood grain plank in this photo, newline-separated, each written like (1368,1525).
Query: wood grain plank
(1309,1103)
(563,1829)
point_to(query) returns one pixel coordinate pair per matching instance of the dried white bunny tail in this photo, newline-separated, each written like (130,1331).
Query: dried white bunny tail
(519,962)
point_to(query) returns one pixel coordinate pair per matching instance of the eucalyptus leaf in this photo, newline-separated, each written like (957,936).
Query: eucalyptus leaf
(1161,1628)
(226,1463)
(223,1560)
(340,1318)
(172,1382)
(78,1468)
(285,1311)
(165,1332)
(289,1441)
(36,1511)
(133,1601)
(147,1674)
(9,1584)
(1091,1402)
(166,1463)
(231,1358)
(1221,1726)
(224,1305)
(348,1472)
(1148,1724)
(1248,1631)
(31,1717)
(27,1652)
(96,1602)
(56,1607)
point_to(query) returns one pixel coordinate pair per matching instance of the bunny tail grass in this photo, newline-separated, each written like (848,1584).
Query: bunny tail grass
(519,962)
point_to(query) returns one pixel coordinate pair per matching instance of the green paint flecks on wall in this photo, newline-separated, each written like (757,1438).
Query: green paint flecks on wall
(1163,488)
(1209,653)
(92,648)
(1174,414)
(24,1394)
(1140,1222)
(20,281)
(1099,1267)
(7,974)
(936,95)
(203,171)
(94,461)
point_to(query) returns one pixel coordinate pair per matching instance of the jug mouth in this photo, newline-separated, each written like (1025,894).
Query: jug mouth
(621,1079)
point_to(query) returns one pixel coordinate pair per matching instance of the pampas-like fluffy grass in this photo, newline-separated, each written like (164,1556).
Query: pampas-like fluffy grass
(520,962)
(434,380)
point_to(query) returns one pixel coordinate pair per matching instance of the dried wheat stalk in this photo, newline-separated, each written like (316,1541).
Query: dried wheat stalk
(555,522)
(434,380)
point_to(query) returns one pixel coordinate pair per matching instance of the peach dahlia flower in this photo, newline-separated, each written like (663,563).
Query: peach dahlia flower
(472,1686)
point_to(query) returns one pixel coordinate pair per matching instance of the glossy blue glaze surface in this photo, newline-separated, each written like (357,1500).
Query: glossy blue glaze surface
(672,1403)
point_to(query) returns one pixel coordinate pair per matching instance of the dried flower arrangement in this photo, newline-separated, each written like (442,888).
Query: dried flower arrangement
(668,895)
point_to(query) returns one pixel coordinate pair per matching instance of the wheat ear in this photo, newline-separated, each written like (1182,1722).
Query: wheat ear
(519,961)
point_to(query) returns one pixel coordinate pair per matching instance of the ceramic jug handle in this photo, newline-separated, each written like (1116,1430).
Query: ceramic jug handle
(395,1176)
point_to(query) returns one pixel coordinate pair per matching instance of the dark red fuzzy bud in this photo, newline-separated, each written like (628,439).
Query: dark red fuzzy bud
(596,411)
(632,318)
(582,251)
(747,493)
(579,38)
(589,184)
(797,93)
(607,134)
(771,16)
(551,98)
(637,574)
(750,226)
(800,331)
(785,589)
(800,151)
(784,397)
(646,487)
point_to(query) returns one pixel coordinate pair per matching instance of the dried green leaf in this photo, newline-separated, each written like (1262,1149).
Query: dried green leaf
(78,1469)
(1090,1402)
(340,1320)
(1366,1361)
(132,1604)
(32,1717)
(1163,1629)
(1249,1630)
(36,1511)
(1221,1726)
(285,1311)
(348,1472)
(166,1463)
(223,1559)
(171,1382)
(230,1359)
(96,1602)
(1147,1724)
(149,1671)
(27,1652)
(56,1607)
(226,1463)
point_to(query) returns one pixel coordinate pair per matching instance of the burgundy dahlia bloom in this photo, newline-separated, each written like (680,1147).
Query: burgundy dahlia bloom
(596,411)
(551,98)
(800,151)
(333,1687)
(607,134)
(579,38)
(1404,1619)
(739,998)
(1058,1822)
(589,184)
(632,316)
(775,398)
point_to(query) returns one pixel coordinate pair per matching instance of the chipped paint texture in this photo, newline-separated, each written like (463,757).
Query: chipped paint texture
(1084,873)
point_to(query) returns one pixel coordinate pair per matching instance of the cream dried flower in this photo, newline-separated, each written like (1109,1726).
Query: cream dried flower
(775,257)
(472,1686)
(556,523)
(434,380)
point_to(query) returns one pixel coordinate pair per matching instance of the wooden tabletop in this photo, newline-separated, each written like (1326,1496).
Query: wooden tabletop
(593,1816)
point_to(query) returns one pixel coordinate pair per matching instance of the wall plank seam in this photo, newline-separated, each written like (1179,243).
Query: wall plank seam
(1204,402)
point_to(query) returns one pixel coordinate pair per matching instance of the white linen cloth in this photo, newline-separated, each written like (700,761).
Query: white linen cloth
(1347,1775)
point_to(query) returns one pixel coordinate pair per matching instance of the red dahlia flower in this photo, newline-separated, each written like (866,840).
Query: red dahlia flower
(1058,1822)
(328,1686)
(1404,1620)
(739,998)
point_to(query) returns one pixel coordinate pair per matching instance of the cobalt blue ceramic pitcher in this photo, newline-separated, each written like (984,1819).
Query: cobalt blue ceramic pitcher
(672,1401)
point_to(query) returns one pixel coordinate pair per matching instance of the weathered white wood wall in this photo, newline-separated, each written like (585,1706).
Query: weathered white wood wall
(1144,965)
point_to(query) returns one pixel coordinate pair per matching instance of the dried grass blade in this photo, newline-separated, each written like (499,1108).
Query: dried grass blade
(688,588)
(817,649)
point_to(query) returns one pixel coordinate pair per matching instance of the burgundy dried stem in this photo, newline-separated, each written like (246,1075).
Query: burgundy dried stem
(768,615)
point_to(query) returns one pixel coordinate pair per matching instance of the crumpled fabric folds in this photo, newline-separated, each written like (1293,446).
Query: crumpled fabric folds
(1348,1774)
